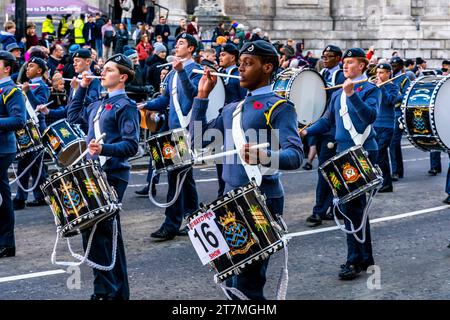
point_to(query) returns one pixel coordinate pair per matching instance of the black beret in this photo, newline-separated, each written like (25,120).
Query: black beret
(189,38)
(419,60)
(40,62)
(231,49)
(208,63)
(122,60)
(354,53)
(82,53)
(445,62)
(5,55)
(397,60)
(384,66)
(259,48)
(334,49)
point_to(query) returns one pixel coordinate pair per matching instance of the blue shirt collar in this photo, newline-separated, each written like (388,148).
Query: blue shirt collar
(188,62)
(116,93)
(5,80)
(36,79)
(262,90)
(361,77)
(398,73)
(227,70)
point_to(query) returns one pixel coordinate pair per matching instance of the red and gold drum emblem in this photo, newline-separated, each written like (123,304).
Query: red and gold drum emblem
(168,151)
(350,173)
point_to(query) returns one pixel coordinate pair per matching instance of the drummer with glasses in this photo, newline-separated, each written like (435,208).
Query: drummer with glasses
(333,75)
(362,101)
(262,110)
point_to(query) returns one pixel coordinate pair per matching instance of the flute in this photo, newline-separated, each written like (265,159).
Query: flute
(228,153)
(68,79)
(341,85)
(217,74)
(30,84)
(170,63)
(43,106)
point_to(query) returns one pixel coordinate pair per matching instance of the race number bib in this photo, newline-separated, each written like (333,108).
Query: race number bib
(206,237)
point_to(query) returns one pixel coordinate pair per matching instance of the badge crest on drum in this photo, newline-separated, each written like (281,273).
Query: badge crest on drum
(71,198)
(35,134)
(335,181)
(260,221)
(168,151)
(91,187)
(155,154)
(23,139)
(350,173)
(65,133)
(182,147)
(364,165)
(236,234)
(54,142)
(419,122)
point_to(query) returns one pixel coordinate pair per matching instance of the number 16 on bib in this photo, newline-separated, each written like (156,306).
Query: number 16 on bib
(206,237)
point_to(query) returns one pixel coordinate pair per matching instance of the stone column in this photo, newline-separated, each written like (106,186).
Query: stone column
(349,15)
(177,10)
(397,16)
(209,13)
(435,23)
(302,15)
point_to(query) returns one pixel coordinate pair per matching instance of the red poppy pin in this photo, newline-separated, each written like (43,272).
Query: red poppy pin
(108,107)
(358,89)
(257,105)
(1,90)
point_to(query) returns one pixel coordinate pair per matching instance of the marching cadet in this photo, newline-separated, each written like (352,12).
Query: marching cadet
(269,114)
(179,107)
(12,118)
(37,93)
(333,75)
(395,149)
(228,59)
(363,101)
(384,124)
(118,117)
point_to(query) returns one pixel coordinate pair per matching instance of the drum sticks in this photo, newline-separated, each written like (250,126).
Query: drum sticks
(217,74)
(229,153)
(87,149)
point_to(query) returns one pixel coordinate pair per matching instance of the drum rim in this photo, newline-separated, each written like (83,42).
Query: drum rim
(165,133)
(54,123)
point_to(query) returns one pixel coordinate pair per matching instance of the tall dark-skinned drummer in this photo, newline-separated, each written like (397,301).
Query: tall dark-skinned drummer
(363,101)
(118,117)
(268,114)
(12,118)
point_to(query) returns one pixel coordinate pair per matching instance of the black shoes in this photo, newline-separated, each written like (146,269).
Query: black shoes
(395,177)
(36,203)
(328,216)
(314,220)
(7,252)
(144,192)
(447,200)
(183,232)
(386,189)
(433,172)
(98,297)
(308,166)
(162,234)
(18,204)
(349,271)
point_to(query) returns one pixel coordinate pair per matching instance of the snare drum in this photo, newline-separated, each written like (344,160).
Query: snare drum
(170,150)
(426,113)
(351,174)
(247,226)
(306,89)
(64,142)
(79,197)
(28,139)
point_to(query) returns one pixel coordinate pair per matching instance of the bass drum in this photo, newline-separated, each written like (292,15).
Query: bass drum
(426,113)
(306,89)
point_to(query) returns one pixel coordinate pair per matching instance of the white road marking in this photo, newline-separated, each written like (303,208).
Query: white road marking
(32,275)
(165,183)
(289,236)
(373,221)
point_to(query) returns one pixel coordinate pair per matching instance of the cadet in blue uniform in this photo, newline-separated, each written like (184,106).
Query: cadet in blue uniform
(363,101)
(228,59)
(36,95)
(395,148)
(258,61)
(81,62)
(12,118)
(325,143)
(384,124)
(187,84)
(118,117)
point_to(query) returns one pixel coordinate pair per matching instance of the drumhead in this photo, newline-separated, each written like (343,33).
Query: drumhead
(216,100)
(308,93)
(442,112)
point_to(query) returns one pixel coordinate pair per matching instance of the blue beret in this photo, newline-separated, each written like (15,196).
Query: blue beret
(12,46)
(190,39)
(131,53)
(122,60)
(384,66)
(74,48)
(334,49)
(354,53)
(40,62)
(397,60)
(5,55)
(231,49)
(259,48)
(82,53)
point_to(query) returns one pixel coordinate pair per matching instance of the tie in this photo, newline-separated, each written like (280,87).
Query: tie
(326,76)
(97,130)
